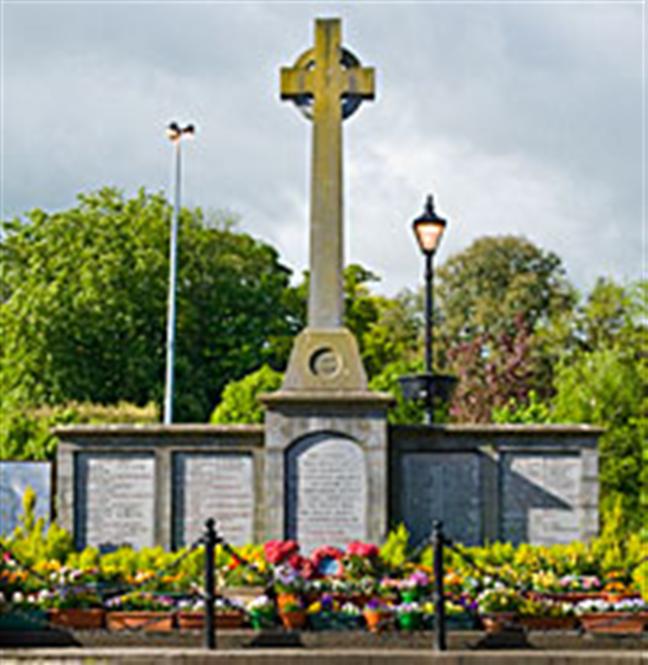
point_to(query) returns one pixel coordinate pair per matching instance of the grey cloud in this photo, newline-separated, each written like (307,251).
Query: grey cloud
(546,98)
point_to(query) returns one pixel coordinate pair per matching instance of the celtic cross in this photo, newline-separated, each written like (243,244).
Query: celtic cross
(328,84)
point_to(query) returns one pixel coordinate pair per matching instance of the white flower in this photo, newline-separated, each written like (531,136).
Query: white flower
(260,602)
(17,597)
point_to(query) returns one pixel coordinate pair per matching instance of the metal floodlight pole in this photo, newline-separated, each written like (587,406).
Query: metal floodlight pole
(175,134)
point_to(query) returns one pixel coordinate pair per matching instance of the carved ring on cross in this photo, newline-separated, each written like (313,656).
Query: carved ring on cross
(350,102)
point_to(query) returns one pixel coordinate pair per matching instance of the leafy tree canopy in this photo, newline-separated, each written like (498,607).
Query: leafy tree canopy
(84,294)
(240,402)
(483,289)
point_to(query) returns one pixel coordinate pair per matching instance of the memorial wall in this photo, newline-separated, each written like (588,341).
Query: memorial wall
(157,485)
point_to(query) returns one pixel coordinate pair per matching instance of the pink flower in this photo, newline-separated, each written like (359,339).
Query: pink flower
(277,551)
(365,550)
(325,552)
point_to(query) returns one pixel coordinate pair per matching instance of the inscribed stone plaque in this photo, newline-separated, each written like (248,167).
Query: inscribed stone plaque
(213,485)
(540,497)
(326,492)
(441,486)
(114,499)
(15,478)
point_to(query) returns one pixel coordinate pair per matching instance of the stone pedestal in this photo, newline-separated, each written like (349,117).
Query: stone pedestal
(325,477)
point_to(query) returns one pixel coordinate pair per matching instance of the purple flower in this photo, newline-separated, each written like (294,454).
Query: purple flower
(374,604)
(327,602)
(419,578)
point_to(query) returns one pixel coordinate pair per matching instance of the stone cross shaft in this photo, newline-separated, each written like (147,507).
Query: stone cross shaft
(327,83)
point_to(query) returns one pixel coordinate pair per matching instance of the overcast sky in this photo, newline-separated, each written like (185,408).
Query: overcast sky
(521,117)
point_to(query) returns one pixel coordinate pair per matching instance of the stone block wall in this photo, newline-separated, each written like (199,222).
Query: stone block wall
(334,474)
(518,483)
(156,485)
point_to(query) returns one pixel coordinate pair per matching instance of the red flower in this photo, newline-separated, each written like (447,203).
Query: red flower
(365,550)
(325,552)
(277,551)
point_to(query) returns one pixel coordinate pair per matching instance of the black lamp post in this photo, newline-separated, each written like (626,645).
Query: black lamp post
(428,230)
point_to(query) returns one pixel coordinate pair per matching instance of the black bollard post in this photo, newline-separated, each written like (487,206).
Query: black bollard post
(210,624)
(439,597)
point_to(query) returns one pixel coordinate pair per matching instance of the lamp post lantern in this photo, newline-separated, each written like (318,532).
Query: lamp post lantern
(428,230)
(175,133)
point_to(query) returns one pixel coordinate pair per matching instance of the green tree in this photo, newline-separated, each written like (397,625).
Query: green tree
(602,378)
(484,288)
(240,402)
(394,335)
(84,304)
(498,304)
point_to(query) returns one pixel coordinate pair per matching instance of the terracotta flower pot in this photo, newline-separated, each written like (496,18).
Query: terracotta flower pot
(150,622)
(614,622)
(573,596)
(78,618)
(376,620)
(293,620)
(497,622)
(548,623)
(191,620)
(284,599)
(224,620)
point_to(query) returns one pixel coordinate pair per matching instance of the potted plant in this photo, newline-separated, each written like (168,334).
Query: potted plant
(545,614)
(191,614)
(78,608)
(414,587)
(289,586)
(377,615)
(625,616)
(20,611)
(409,616)
(262,612)
(321,613)
(293,615)
(497,608)
(140,611)
(457,616)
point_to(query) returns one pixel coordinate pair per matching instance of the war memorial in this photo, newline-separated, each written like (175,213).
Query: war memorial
(326,468)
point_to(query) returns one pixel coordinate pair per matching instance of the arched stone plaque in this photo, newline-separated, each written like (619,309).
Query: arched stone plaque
(326,491)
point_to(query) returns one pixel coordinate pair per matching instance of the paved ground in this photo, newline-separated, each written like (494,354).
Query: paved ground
(143,656)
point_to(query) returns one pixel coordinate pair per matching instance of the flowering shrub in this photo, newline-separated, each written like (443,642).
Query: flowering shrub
(408,608)
(498,599)
(260,604)
(140,601)
(364,550)
(279,551)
